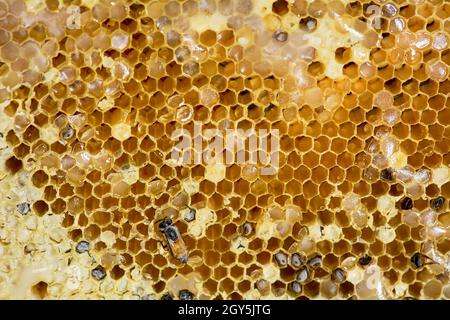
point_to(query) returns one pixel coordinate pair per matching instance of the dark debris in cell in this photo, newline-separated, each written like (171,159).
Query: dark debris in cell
(315,261)
(406,203)
(387,175)
(365,260)
(82,246)
(297,260)
(437,203)
(338,275)
(23,208)
(247,229)
(281,259)
(295,287)
(308,24)
(303,275)
(167,296)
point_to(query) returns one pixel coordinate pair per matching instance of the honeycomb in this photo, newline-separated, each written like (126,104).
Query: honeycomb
(94,206)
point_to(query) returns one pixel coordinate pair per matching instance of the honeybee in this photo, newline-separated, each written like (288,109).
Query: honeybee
(174,240)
